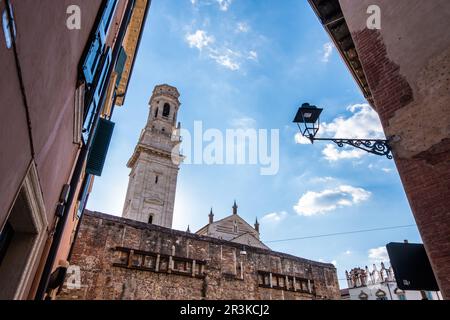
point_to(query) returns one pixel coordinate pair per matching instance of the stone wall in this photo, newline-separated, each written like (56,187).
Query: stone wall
(124,259)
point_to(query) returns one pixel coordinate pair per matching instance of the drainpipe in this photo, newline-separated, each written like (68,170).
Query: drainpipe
(60,227)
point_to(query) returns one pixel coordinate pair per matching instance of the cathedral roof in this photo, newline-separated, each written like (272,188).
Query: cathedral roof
(233,228)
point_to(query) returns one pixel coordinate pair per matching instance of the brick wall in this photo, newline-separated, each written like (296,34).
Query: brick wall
(125,259)
(416,110)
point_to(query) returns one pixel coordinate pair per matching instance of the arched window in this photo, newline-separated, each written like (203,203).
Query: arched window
(363,296)
(150,219)
(166,110)
(381,295)
(156,112)
(400,294)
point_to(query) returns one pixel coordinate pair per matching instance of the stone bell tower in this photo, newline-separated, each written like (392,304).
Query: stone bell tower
(155,162)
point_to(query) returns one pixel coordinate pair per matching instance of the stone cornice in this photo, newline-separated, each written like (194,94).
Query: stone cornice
(151,150)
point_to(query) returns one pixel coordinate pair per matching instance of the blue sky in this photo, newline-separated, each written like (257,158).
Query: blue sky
(250,64)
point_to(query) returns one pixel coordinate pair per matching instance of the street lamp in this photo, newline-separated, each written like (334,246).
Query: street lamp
(308,121)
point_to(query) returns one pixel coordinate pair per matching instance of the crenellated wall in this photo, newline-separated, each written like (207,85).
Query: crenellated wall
(125,259)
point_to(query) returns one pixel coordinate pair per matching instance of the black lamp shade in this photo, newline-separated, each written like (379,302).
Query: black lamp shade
(307,114)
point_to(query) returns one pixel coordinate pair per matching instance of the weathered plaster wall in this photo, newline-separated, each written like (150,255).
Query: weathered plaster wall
(412,47)
(95,253)
(407,65)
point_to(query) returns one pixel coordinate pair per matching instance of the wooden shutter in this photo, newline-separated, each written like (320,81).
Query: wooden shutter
(100,146)
(120,65)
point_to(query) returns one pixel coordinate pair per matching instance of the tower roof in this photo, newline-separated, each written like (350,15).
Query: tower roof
(165,90)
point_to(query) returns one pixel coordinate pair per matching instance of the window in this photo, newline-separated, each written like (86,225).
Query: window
(150,219)
(96,49)
(95,68)
(6,236)
(156,179)
(78,113)
(235,227)
(94,97)
(84,194)
(363,296)
(166,110)
(107,16)
(10,36)
(22,238)
(381,295)
(120,64)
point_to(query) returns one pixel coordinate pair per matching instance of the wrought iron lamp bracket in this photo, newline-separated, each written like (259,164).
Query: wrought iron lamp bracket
(379,147)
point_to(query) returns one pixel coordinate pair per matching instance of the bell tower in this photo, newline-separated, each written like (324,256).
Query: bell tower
(155,162)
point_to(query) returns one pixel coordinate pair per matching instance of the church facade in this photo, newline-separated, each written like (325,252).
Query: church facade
(139,256)
(234,229)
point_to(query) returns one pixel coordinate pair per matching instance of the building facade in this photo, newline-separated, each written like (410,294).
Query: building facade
(57,96)
(402,65)
(233,228)
(380,284)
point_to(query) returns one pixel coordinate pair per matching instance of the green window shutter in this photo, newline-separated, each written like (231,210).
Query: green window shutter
(100,145)
(120,65)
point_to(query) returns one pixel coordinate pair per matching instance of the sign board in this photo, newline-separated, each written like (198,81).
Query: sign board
(411,267)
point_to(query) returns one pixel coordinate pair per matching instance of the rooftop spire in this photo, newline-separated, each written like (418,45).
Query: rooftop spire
(235,207)
(257,225)
(211,216)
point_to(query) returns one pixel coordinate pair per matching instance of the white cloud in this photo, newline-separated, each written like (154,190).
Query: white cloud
(274,217)
(224,4)
(332,153)
(301,139)
(327,50)
(373,166)
(242,27)
(253,55)
(312,203)
(243,123)
(227,58)
(348,252)
(364,123)
(378,255)
(199,39)
(322,179)
(224,57)
(334,262)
